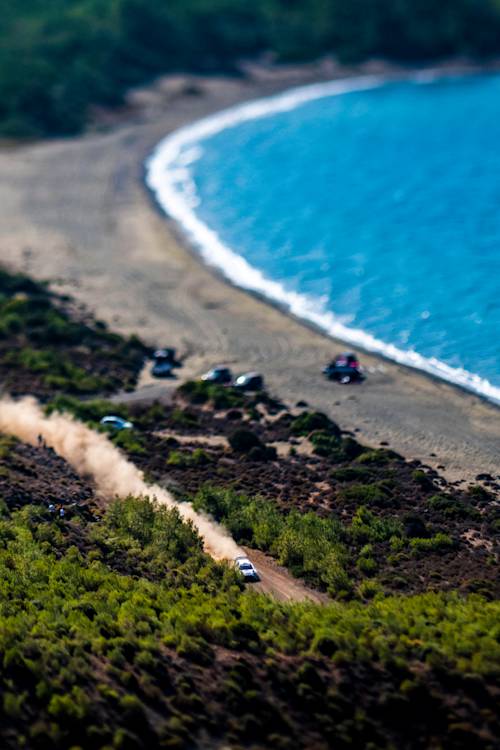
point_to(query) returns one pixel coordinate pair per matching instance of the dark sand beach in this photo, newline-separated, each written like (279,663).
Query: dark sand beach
(76,212)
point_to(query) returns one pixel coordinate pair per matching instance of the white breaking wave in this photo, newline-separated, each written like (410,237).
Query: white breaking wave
(168,176)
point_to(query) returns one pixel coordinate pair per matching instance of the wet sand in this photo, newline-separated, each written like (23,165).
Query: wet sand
(76,212)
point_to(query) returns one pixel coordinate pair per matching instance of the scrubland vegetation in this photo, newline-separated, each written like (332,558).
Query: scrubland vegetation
(350,520)
(45,347)
(121,632)
(59,58)
(118,631)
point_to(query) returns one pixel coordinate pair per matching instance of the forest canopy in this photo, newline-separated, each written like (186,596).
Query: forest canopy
(58,57)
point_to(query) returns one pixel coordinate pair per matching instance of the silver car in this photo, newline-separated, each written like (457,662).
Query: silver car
(246,568)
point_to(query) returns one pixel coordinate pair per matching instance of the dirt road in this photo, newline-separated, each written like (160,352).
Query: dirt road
(279,583)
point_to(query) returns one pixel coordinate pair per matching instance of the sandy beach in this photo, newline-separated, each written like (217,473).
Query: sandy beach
(76,212)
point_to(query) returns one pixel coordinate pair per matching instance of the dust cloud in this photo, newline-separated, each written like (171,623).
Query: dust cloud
(92,454)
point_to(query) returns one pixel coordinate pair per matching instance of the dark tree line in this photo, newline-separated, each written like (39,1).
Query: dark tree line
(57,57)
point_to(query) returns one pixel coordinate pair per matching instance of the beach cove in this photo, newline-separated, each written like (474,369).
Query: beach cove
(76,212)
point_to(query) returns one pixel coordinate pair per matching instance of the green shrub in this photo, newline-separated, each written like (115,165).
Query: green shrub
(242,441)
(353,473)
(369,589)
(376,495)
(438,543)
(87,411)
(179,459)
(326,445)
(421,478)
(452,507)
(377,457)
(314,421)
(184,459)
(367,527)
(183,418)
(479,494)
(7,443)
(129,441)
(366,565)
(201,392)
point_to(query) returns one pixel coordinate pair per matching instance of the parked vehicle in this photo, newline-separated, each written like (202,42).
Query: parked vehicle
(162,369)
(249,381)
(345,369)
(165,355)
(116,423)
(164,361)
(246,568)
(221,375)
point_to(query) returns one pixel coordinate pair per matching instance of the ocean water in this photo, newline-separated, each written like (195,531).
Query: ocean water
(371,208)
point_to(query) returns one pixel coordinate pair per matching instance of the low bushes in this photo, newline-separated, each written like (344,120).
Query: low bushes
(367,527)
(452,507)
(311,547)
(185,459)
(201,392)
(242,441)
(57,371)
(45,349)
(313,421)
(89,636)
(376,457)
(439,543)
(249,444)
(86,411)
(378,495)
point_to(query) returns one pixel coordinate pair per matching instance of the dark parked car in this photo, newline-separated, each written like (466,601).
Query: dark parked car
(164,362)
(249,381)
(345,368)
(165,355)
(162,369)
(221,375)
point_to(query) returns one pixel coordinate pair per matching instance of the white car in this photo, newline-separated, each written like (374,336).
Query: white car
(246,568)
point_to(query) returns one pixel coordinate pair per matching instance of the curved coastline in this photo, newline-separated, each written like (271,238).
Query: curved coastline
(168,178)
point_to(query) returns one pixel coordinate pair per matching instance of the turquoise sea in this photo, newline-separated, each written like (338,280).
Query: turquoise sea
(370,207)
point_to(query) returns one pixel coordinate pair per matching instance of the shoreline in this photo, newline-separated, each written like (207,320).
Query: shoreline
(172,193)
(75,211)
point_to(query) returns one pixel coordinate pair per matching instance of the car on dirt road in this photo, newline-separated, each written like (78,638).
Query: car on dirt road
(345,369)
(219,375)
(246,568)
(116,423)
